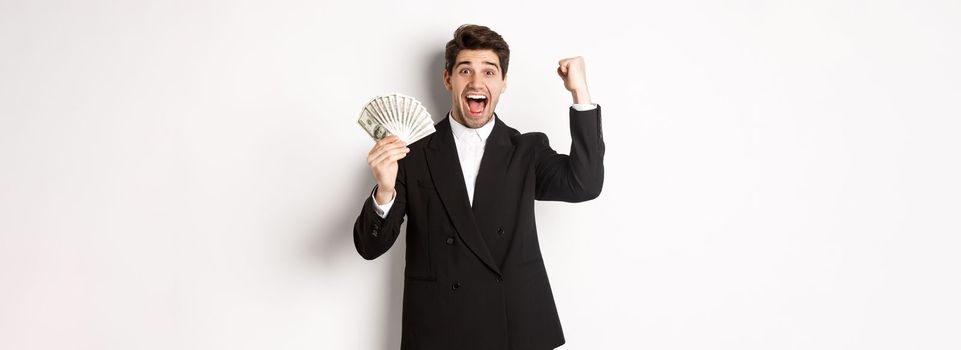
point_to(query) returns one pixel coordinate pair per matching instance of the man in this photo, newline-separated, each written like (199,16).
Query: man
(474,277)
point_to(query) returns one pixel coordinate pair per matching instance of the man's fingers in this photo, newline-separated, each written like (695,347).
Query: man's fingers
(388,158)
(387,154)
(397,157)
(382,141)
(568,62)
(373,158)
(386,140)
(391,145)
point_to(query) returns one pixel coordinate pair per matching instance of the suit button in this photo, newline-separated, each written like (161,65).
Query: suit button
(374,233)
(455,286)
(450,240)
(376,227)
(500,279)
(500,231)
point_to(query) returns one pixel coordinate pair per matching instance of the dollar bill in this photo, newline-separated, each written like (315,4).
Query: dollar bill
(374,128)
(396,114)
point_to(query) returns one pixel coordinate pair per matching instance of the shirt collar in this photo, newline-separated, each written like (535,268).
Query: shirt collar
(463,133)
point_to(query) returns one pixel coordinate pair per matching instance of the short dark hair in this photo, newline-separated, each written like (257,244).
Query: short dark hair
(475,37)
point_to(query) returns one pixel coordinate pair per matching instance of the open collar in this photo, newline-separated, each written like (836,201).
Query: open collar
(463,133)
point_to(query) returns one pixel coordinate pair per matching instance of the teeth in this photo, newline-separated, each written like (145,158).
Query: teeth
(477,97)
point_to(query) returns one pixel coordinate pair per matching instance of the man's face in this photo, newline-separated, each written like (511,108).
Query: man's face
(475,86)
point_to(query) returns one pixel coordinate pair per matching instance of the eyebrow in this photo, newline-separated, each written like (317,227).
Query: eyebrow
(485,62)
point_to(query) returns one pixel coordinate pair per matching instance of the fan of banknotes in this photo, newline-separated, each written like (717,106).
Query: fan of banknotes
(396,114)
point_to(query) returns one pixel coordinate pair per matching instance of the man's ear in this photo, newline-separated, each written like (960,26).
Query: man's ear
(504,88)
(447,81)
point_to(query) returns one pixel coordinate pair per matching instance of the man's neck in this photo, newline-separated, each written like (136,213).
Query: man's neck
(459,129)
(454,120)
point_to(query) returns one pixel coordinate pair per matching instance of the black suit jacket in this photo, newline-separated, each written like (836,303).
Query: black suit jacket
(475,278)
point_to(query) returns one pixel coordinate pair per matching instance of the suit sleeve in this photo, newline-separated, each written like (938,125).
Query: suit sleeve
(374,235)
(576,177)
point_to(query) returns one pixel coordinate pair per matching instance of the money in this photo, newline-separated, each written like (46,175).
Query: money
(372,127)
(396,114)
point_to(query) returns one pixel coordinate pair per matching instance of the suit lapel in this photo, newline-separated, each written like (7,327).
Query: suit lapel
(493,168)
(444,166)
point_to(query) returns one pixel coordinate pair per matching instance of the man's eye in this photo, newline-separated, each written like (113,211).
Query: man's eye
(463,71)
(490,73)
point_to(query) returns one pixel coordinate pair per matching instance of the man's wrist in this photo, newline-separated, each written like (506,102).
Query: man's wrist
(383,195)
(581,96)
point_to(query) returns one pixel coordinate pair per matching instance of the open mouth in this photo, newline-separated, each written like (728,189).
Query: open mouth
(476,103)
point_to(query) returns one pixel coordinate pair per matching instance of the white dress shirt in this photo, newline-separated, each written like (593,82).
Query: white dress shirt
(470,150)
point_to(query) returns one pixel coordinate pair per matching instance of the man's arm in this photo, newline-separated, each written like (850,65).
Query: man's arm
(382,209)
(374,234)
(576,177)
(579,176)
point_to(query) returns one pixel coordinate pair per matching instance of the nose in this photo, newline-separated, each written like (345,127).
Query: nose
(475,81)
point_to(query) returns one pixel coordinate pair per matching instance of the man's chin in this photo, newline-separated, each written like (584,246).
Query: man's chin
(476,122)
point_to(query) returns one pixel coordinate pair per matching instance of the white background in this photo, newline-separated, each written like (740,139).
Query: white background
(186,174)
